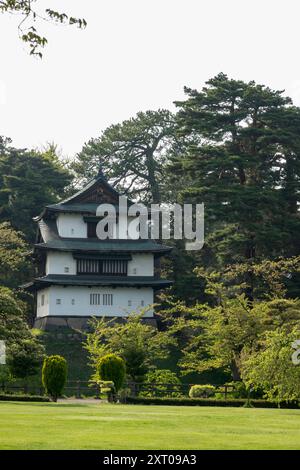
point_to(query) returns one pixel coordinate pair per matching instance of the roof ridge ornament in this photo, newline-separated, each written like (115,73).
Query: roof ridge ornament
(101,173)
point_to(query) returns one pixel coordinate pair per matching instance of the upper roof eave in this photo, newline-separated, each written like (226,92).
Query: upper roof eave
(100,179)
(72,280)
(108,246)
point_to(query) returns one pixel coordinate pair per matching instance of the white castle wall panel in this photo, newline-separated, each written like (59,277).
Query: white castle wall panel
(75,301)
(60,263)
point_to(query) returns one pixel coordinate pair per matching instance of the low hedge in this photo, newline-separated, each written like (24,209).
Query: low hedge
(24,398)
(208,402)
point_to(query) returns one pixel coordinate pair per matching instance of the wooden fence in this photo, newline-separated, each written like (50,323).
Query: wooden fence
(79,389)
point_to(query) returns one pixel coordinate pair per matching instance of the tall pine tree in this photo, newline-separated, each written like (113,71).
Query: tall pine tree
(245,168)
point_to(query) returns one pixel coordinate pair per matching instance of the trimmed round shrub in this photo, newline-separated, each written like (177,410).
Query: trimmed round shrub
(54,375)
(112,368)
(202,391)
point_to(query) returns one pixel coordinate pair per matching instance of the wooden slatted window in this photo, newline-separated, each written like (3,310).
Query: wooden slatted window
(95,299)
(109,267)
(107,299)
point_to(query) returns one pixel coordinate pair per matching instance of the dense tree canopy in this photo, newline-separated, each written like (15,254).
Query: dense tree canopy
(24,352)
(133,154)
(14,260)
(271,368)
(29,180)
(245,169)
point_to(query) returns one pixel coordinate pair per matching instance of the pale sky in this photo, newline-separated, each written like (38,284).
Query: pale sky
(137,55)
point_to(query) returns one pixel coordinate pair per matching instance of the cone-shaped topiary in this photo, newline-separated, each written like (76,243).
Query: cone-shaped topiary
(112,367)
(54,375)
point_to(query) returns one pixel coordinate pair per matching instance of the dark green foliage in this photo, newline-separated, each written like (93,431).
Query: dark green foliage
(28,182)
(25,358)
(208,402)
(34,398)
(112,368)
(24,351)
(15,265)
(67,343)
(54,375)
(245,168)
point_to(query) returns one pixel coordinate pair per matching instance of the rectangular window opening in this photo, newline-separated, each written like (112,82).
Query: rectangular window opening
(107,267)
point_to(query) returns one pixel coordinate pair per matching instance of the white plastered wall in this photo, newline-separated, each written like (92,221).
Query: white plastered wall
(64,263)
(142,264)
(43,310)
(60,263)
(71,226)
(75,301)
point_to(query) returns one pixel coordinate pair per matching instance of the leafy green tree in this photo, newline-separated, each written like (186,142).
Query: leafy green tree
(133,154)
(54,375)
(245,168)
(215,336)
(112,368)
(24,351)
(271,367)
(139,344)
(14,260)
(25,358)
(28,182)
(219,335)
(267,279)
(161,383)
(30,15)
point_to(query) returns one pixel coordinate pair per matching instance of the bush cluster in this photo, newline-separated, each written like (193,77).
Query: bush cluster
(18,397)
(202,391)
(208,402)
(161,383)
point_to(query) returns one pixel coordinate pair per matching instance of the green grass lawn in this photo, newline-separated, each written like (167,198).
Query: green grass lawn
(104,426)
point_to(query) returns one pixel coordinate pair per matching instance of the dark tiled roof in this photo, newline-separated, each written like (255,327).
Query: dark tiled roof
(96,245)
(76,202)
(85,280)
(88,207)
(100,179)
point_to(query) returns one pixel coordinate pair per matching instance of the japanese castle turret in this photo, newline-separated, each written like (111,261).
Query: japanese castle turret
(80,276)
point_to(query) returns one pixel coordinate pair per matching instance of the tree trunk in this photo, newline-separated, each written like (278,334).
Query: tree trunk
(235,371)
(154,186)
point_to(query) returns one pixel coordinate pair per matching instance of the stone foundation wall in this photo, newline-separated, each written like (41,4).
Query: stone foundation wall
(77,323)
